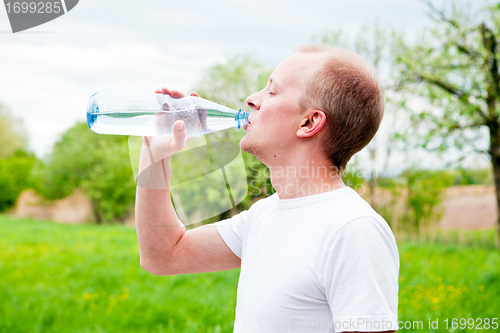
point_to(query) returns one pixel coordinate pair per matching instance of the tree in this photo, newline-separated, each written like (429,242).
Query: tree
(377,45)
(229,84)
(425,193)
(12,133)
(97,164)
(14,177)
(455,67)
(15,161)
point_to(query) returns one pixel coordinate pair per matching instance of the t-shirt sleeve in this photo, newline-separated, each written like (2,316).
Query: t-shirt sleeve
(361,277)
(232,231)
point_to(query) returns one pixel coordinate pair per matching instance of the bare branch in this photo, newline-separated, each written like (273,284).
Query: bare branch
(464,97)
(439,13)
(462,48)
(465,154)
(453,163)
(481,151)
(443,85)
(461,66)
(471,53)
(472,125)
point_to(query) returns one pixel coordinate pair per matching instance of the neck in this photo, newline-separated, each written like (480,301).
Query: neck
(304,177)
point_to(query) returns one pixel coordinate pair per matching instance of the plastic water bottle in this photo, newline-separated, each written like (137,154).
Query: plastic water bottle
(145,114)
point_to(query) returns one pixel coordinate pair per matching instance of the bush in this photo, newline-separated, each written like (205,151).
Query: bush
(97,164)
(422,191)
(425,192)
(463,176)
(14,177)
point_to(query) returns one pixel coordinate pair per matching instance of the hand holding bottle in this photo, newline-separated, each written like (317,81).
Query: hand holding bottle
(165,147)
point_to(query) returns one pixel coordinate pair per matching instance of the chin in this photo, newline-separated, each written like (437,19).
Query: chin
(245,146)
(250,148)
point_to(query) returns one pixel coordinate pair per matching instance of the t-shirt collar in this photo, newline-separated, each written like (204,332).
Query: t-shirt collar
(311,199)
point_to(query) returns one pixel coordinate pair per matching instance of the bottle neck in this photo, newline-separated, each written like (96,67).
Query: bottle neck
(242,118)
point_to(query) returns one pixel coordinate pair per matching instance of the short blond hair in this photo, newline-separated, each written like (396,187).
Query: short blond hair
(346,88)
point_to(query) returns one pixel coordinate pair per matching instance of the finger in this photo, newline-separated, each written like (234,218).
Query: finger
(195,94)
(165,91)
(176,94)
(179,140)
(157,91)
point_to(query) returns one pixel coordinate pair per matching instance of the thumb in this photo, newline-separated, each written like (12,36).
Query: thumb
(179,136)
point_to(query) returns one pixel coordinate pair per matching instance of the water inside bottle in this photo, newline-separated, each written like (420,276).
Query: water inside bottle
(145,123)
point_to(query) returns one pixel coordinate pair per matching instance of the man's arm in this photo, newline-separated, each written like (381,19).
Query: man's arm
(361,275)
(166,247)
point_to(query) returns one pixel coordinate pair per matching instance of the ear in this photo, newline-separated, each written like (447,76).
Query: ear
(311,123)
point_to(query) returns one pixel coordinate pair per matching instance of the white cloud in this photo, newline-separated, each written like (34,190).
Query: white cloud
(48,85)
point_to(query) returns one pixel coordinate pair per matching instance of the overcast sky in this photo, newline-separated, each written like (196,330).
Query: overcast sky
(48,72)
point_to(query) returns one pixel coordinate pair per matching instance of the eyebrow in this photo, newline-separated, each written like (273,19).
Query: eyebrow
(271,82)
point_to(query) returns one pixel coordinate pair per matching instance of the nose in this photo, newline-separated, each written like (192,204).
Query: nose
(253,101)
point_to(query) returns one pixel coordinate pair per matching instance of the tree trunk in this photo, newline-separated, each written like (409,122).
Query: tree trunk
(97,213)
(495,161)
(496,175)
(373,175)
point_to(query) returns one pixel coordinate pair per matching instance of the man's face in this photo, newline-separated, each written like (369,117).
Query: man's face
(276,117)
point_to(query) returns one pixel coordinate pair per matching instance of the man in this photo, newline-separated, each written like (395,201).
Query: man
(314,256)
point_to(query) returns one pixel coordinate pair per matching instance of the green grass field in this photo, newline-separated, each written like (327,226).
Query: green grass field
(87,278)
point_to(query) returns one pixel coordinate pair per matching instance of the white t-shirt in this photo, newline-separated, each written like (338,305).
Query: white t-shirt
(322,263)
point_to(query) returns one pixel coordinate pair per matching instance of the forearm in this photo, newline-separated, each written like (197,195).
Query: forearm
(157,225)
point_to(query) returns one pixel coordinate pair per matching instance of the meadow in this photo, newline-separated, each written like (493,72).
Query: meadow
(87,278)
